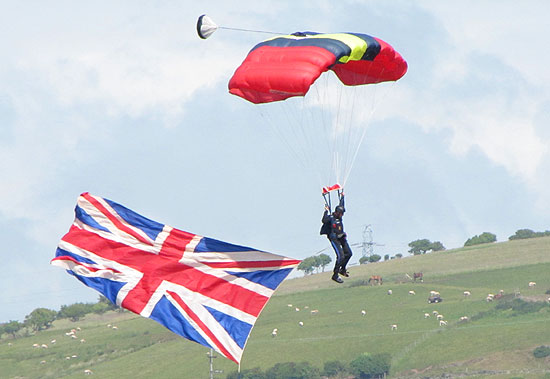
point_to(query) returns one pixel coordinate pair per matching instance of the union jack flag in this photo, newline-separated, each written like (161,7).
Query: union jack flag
(205,290)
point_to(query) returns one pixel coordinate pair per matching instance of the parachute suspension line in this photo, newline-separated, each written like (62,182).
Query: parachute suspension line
(374,106)
(250,30)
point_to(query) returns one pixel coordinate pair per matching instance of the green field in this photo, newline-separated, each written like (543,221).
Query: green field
(495,343)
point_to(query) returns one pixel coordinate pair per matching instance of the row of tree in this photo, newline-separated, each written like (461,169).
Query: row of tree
(42,318)
(364,366)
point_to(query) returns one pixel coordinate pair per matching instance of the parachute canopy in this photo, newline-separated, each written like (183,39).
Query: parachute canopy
(287,65)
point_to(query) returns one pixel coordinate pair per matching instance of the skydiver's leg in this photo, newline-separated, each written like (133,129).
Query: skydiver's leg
(339,257)
(346,256)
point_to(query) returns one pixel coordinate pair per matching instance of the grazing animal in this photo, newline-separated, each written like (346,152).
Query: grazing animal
(442,322)
(297,309)
(314,311)
(412,293)
(418,275)
(274,333)
(88,372)
(440,317)
(467,293)
(434,293)
(375,279)
(435,313)
(464,318)
(394,327)
(390,292)
(489,298)
(363,312)
(532,284)
(426,315)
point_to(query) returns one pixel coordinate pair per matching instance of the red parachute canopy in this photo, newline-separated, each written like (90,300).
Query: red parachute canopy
(287,66)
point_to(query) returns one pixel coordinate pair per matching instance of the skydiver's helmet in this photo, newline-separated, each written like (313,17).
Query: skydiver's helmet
(339,209)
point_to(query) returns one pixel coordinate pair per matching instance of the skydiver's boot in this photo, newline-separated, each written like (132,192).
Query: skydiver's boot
(344,272)
(336,278)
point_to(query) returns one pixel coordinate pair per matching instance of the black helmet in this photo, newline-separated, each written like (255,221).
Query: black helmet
(340,209)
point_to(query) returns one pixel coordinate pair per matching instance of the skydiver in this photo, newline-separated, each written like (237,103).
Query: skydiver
(333,228)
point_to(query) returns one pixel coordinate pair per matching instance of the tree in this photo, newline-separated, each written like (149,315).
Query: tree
(386,257)
(12,327)
(302,370)
(254,373)
(485,237)
(363,260)
(40,318)
(75,311)
(437,246)
(528,233)
(307,265)
(420,246)
(334,368)
(323,261)
(371,365)
(374,258)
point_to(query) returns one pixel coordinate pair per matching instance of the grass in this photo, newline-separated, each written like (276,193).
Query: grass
(497,341)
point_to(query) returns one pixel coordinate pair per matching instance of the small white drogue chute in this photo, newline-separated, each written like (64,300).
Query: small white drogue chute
(206,26)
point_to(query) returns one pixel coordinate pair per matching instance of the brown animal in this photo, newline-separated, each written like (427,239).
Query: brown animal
(375,279)
(418,275)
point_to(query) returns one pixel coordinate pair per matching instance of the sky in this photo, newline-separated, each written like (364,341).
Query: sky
(123,100)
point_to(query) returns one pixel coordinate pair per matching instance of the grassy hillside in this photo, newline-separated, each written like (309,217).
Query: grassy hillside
(497,342)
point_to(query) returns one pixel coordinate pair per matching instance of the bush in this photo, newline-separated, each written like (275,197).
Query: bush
(334,368)
(541,351)
(255,373)
(519,306)
(482,238)
(292,370)
(371,365)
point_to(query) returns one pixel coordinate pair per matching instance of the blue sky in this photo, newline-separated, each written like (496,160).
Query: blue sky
(125,101)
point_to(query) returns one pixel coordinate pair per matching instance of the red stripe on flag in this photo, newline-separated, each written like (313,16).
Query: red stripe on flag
(220,347)
(253,264)
(113,219)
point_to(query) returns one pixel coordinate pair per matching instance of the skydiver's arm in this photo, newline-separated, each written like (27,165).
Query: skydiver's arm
(326,217)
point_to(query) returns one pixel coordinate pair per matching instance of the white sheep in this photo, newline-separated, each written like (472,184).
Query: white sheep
(301,323)
(434,293)
(390,292)
(394,327)
(532,284)
(363,312)
(53,341)
(274,333)
(35,345)
(297,309)
(442,322)
(115,327)
(440,317)
(467,293)
(412,293)
(88,372)
(314,311)
(82,340)
(435,313)
(426,315)
(44,346)
(464,318)
(489,298)
(42,362)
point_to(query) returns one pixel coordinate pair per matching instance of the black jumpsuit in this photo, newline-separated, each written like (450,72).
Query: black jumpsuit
(333,227)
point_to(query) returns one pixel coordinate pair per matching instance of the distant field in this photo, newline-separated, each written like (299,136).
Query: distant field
(499,342)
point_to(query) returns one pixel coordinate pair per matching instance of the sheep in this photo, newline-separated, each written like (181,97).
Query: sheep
(440,317)
(464,318)
(301,323)
(67,358)
(44,346)
(314,311)
(363,312)
(442,322)
(289,305)
(115,327)
(394,327)
(274,333)
(53,342)
(297,309)
(434,293)
(74,337)
(532,284)
(467,293)
(74,356)
(426,315)
(412,293)
(390,292)
(82,340)
(435,313)
(42,362)
(88,372)
(489,298)
(35,345)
